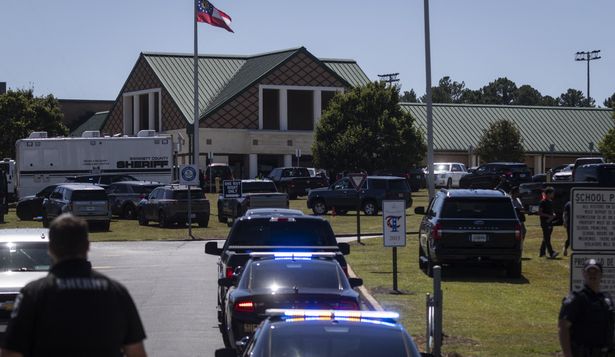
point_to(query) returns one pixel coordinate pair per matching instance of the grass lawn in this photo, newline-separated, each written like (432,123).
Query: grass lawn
(485,313)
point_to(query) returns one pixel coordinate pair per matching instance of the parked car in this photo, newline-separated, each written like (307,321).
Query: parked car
(168,205)
(489,176)
(87,201)
(254,194)
(415,176)
(103,180)
(215,172)
(124,196)
(565,174)
(330,333)
(30,207)
(295,181)
(23,258)
(470,226)
(343,196)
(448,174)
(284,280)
(586,161)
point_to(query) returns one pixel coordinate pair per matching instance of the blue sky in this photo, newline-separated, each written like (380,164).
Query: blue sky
(82,49)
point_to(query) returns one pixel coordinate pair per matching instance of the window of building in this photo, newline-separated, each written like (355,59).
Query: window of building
(271,109)
(300,110)
(326,96)
(141,111)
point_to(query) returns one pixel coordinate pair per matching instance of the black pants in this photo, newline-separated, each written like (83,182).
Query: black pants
(546,240)
(567,242)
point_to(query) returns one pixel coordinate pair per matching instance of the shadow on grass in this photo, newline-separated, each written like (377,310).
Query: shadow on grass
(479,274)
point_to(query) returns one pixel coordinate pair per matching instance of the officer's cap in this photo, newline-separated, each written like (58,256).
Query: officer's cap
(592,263)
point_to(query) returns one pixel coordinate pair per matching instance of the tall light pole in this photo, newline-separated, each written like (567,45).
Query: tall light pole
(587,56)
(430,178)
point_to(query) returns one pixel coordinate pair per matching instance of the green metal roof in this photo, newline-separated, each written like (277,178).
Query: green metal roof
(457,126)
(95,122)
(222,77)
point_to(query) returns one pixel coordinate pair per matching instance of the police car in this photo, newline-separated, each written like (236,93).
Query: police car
(328,333)
(23,258)
(284,280)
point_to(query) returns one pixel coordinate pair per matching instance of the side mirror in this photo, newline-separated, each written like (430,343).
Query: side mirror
(226,352)
(212,248)
(226,282)
(242,344)
(354,282)
(419,210)
(344,248)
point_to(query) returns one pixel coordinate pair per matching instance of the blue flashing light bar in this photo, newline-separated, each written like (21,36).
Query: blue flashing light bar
(292,255)
(347,314)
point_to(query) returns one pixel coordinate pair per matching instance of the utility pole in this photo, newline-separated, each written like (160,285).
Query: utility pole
(587,56)
(430,177)
(389,78)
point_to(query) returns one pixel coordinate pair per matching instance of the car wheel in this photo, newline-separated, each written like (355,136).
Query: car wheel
(129,212)
(449,183)
(45,221)
(105,226)
(204,222)
(142,220)
(319,207)
(221,219)
(370,208)
(224,332)
(162,220)
(514,269)
(24,214)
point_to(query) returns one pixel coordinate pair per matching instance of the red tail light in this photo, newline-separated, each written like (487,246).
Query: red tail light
(518,232)
(229,272)
(347,305)
(244,306)
(436,231)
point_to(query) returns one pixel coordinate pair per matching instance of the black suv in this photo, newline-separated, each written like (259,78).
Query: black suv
(169,205)
(463,226)
(87,201)
(488,176)
(343,196)
(124,196)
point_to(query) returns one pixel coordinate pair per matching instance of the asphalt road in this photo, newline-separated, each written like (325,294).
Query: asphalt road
(174,287)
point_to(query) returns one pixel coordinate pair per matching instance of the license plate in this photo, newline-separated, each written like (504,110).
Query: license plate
(249,328)
(478,238)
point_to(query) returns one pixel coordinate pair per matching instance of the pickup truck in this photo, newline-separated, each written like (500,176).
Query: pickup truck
(254,194)
(267,233)
(592,175)
(295,181)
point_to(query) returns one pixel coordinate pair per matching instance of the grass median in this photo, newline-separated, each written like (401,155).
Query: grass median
(485,313)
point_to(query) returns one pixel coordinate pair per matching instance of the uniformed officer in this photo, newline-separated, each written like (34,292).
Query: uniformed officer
(74,310)
(586,318)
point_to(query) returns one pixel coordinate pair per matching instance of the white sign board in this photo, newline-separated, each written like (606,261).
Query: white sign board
(592,218)
(394,223)
(608,270)
(231,188)
(189,175)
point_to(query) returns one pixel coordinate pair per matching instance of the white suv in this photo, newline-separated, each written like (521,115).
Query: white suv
(448,174)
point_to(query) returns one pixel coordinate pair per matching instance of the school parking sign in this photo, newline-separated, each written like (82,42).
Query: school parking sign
(394,223)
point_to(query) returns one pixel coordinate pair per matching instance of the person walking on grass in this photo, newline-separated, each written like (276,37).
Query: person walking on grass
(566,219)
(547,215)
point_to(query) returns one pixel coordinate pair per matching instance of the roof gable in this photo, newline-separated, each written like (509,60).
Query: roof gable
(457,126)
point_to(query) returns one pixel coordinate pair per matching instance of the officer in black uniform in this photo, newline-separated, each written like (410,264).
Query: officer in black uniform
(586,319)
(74,310)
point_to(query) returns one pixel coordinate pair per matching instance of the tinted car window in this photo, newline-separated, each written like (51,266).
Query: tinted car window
(516,168)
(183,194)
(296,172)
(398,185)
(478,208)
(221,171)
(298,233)
(358,341)
(144,189)
(378,184)
(253,187)
(24,256)
(89,195)
(293,273)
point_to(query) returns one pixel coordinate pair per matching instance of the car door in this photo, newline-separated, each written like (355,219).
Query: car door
(484,177)
(150,204)
(456,174)
(55,202)
(344,195)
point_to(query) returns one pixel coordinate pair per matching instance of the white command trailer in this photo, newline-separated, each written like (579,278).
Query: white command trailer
(43,161)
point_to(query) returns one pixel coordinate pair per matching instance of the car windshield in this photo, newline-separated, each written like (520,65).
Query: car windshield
(256,187)
(293,273)
(89,195)
(328,340)
(296,172)
(221,171)
(26,256)
(478,208)
(398,185)
(442,167)
(298,232)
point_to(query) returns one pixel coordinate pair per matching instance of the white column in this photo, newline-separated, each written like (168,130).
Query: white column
(150,110)
(253,165)
(537,164)
(317,106)
(283,109)
(135,113)
(127,115)
(288,160)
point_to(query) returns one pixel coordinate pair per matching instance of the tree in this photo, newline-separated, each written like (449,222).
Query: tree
(501,141)
(610,102)
(366,129)
(574,98)
(21,113)
(549,101)
(527,95)
(502,91)
(447,91)
(606,145)
(470,96)
(409,97)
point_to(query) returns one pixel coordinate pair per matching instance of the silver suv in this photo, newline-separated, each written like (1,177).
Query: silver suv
(87,201)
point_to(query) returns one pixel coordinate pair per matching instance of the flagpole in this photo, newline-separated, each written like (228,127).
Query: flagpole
(195,141)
